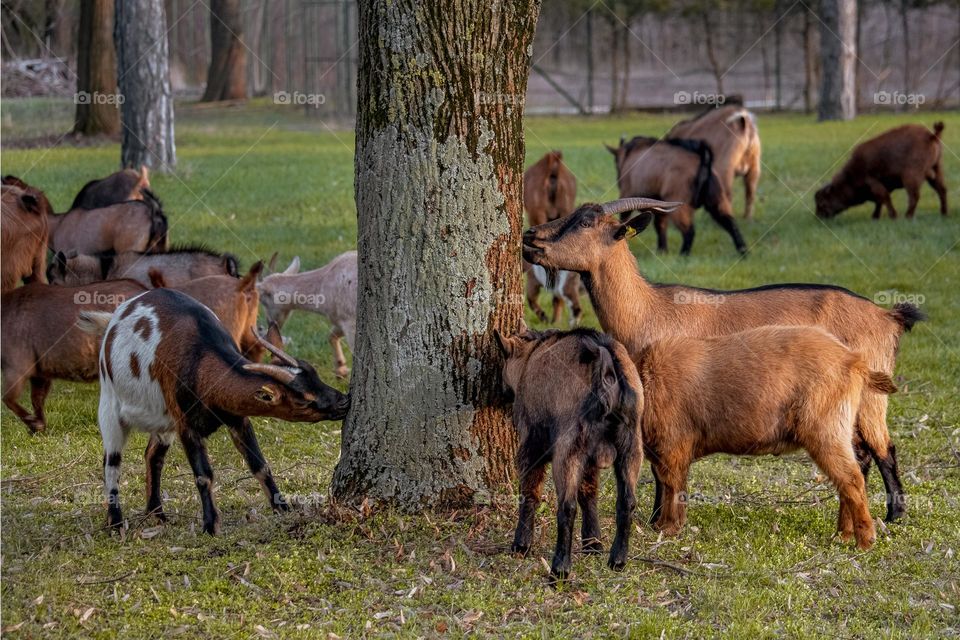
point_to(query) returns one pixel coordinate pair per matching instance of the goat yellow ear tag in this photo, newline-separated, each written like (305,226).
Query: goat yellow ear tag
(269,395)
(630,233)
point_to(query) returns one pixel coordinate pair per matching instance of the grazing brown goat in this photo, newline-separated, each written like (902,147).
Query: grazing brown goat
(589,422)
(24,234)
(178,265)
(768,390)
(136,225)
(592,241)
(550,192)
(124,185)
(234,302)
(680,171)
(41,342)
(901,158)
(731,132)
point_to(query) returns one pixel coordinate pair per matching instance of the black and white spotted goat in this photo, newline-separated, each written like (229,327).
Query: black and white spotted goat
(168,367)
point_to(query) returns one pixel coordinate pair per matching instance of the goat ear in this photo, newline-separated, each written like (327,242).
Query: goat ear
(271,265)
(605,379)
(294,266)
(156,278)
(612,150)
(61,261)
(505,344)
(30,203)
(633,226)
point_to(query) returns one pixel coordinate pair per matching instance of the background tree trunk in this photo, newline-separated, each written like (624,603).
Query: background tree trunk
(439,167)
(838,53)
(144,78)
(96,71)
(227,75)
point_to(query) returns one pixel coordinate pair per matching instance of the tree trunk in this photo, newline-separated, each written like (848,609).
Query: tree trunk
(711,53)
(97,97)
(905,25)
(614,64)
(227,75)
(439,168)
(147,112)
(625,85)
(838,53)
(809,60)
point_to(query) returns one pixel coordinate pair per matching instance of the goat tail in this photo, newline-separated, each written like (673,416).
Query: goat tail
(906,315)
(938,128)
(159,227)
(156,278)
(94,322)
(880,382)
(705,188)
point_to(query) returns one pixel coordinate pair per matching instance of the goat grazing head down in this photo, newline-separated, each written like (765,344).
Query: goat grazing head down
(300,396)
(580,241)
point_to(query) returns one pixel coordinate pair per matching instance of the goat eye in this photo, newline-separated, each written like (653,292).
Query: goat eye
(584,223)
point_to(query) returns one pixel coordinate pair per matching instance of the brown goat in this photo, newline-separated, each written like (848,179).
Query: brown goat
(24,234)
(731,132)
(550,192)
(178,265)
(124,185)
(589,422)
(592,241)
(900,158)
(549,189)
(41,342)
(680,171)
(762,391)
(136,225)
(234,302)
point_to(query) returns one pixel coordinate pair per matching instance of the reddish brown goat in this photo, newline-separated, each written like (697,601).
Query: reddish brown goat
(234,302)
(550,192)
(549,189)
(901,158)
(24,234)
(41,342)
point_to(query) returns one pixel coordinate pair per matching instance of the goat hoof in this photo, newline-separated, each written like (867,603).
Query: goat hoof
(280,505)
(212,528)
(158,514)
(617,564)
(558,575)
(35,425)
(342,372)
(520,549)
(114,519)
(895,513)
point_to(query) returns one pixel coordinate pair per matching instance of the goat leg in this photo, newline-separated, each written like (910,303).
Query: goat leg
(567,475)
(341,371)
(154,457)
(245,440)
(531,484)
(39,388)
(203,475)
(11,393)
(626,505)
(587,499)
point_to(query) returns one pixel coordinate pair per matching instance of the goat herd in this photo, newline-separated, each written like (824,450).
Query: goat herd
(681,373)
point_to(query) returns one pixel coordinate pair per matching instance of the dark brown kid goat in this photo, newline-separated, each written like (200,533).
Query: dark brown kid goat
(589,422)
(901,158)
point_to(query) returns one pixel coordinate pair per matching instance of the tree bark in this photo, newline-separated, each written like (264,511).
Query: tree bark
(439,168)
(144,79)
(838,49)
(227,75)
(711,52)
(97,100)
(809,60)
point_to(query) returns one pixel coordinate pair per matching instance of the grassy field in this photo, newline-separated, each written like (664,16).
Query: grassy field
(757,559)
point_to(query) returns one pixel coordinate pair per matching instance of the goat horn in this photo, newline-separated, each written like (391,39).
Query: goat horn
(280,374)
(643,204)
(276,351)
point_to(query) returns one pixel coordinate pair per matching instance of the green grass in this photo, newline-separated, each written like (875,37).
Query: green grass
(757,558)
